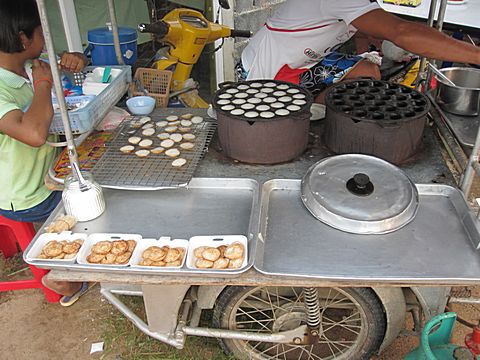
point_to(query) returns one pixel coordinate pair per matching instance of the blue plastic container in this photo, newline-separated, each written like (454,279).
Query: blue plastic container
(100,45)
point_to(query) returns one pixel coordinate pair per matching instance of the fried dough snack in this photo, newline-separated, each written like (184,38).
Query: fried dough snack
(221,257)
(63,249)
(162,256)
(63,223)
(102,247)
(116,252)
(234,251)
(119,247)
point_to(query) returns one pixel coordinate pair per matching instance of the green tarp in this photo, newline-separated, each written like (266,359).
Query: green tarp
(94,13)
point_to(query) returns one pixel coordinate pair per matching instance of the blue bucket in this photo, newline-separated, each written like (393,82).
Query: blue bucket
(100,45)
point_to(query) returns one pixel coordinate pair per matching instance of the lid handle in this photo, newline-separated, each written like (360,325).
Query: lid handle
(360,185)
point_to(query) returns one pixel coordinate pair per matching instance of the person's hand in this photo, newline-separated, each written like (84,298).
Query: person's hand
(41,72)
(73,62)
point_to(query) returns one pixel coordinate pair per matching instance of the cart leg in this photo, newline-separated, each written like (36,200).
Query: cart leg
(162,304)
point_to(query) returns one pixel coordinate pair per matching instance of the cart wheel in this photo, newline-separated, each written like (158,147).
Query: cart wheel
(352,322)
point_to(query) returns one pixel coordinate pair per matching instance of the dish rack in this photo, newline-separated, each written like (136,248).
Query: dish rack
(82,120)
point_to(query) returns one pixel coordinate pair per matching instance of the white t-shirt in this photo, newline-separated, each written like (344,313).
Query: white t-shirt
(300,34)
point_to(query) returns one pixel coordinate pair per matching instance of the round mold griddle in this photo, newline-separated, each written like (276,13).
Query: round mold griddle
(375,100)
(257,97)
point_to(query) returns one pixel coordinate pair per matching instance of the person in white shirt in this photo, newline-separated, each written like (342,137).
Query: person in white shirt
(298,43)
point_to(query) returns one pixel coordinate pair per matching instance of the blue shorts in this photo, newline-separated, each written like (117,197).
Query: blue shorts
(38,213)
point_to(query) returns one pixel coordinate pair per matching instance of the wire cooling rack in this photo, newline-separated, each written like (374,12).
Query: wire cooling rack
(116,169)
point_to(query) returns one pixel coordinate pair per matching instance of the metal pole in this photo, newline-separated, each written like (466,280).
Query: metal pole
(116,38)
(57,82)
(430,20)
(467,180)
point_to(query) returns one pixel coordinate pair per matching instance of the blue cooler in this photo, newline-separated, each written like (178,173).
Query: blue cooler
(100,44)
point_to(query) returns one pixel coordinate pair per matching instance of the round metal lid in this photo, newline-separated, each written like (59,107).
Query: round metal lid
(359,194)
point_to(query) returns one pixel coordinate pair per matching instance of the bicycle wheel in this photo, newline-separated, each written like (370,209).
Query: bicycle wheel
(352,322)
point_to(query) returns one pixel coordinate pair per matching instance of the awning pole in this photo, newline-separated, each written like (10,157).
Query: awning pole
(57,81)
(116,38)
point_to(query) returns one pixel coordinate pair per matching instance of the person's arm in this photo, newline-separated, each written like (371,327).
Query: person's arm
(32,126)
(416,38)
(73,62)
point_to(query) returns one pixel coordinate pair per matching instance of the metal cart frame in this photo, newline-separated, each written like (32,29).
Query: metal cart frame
(184,297)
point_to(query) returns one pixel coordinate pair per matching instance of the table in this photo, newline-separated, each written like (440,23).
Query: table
(427,167)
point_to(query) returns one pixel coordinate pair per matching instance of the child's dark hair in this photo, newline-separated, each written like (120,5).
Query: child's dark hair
(15,17)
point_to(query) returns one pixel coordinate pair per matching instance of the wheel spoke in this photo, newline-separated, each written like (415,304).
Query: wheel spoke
(340,322)
(334,345)
(265,302)
(270,310)
(270,300)
(251,317)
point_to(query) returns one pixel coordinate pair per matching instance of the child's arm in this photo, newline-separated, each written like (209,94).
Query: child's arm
(73,62)
(32,126)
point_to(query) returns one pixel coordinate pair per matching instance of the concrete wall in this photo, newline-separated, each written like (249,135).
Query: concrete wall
(251,15)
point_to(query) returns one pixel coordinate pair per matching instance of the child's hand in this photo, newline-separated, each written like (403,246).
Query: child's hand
(73,62)
(41,71)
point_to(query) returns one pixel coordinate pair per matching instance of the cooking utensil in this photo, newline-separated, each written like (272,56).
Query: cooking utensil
(440,74)
(376,118)
(262,121)
(83,185)
(359,194)
(106,74)
(141,87)
(464,97)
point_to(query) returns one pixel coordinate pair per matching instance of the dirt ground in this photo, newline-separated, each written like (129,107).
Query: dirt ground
(31,328)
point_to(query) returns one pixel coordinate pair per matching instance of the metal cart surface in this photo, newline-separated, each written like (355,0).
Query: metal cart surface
(179,314)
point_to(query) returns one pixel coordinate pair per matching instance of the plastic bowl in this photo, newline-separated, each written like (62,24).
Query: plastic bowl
(141,105)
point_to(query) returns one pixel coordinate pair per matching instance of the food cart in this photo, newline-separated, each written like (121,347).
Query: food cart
(306,288)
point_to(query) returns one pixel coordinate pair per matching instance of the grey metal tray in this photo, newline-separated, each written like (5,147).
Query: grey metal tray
(207,206)
(440,244)
(464,128)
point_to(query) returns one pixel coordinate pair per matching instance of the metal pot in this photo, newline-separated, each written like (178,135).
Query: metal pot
(375,118)
(272,136)
(359,194)
(464,97)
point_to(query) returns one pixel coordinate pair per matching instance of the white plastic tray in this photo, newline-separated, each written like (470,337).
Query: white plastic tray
(43,239)
(215,241)
(163,241)
(95,238)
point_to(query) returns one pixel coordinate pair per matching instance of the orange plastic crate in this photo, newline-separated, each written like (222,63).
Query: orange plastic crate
(156,82)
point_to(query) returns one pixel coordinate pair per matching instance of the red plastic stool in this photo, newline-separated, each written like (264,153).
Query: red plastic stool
(11,233)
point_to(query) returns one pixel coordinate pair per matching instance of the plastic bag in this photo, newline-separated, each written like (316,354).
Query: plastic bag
(113,118)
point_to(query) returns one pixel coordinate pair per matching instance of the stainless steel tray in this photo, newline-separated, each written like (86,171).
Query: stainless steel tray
(464,128)
(207,206)
(441,243)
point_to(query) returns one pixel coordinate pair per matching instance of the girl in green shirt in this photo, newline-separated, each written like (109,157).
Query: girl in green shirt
(25,116)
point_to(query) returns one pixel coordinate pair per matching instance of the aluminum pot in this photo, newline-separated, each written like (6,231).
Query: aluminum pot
(375,118)
(464,97)
(254,136)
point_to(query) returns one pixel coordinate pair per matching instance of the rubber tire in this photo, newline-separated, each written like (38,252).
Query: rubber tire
(364,296)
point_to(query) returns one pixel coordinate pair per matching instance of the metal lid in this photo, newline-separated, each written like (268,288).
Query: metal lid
(359,194)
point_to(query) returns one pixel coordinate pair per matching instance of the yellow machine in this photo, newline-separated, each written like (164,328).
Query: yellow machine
(186,32)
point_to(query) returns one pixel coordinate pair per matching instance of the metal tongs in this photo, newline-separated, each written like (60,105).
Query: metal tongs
(141,87)
(441,75)
(84,186)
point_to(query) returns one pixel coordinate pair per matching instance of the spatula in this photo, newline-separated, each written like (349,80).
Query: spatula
(106,74)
